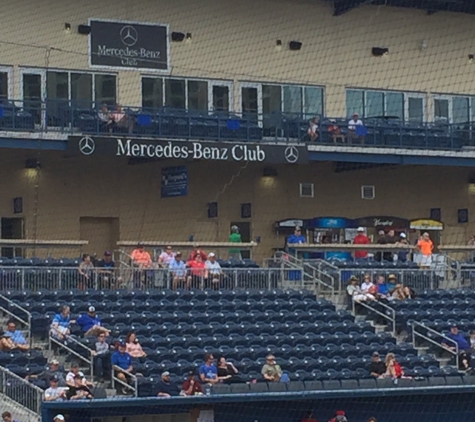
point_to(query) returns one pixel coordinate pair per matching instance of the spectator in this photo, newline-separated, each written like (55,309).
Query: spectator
(297,238)
(213,272)
(313,129)
(101,358)
(178,271)
(381,241)
(79,390)
(391,237)
(60,327)
(208,371)
(355,121)
(391,283)
(377,368)
(54,392)
(472,341)
(425,247)
(235,237)
(86,268)
(273,372)
(53,371)
(166,387)
(7,417)
(16,336)
(58,418)
(471,241)
(339,417)
(197,271)
(356,293)
(393,368)
(105,118)
(361,239)
(463,348)
(335,131)
(122,361)
(227,372)
(141,260)
(71,375)
(383,289)
(6,343)
(106,271)
(400,292)
(309,417)
(198,251)
(166,257)
(402,255)
(372,419)
(133,347)
(367,284)
(191,386)
(91,324)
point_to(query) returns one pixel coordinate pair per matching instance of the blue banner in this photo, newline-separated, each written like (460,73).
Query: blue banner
(174,181)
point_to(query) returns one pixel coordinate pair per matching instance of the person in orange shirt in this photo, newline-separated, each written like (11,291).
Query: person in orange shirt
(141,259)
(425,247)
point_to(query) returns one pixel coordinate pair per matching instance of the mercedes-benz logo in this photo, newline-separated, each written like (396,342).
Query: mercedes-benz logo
(87,145)
(129,36)
(291,154)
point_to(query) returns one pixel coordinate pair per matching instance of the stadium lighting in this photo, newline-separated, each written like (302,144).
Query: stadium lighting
(188,37)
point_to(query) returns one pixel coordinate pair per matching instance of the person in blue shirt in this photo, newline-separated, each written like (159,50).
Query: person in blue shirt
(208,370)
(16,336)
(60,327)
(121,360)
(463,347)
(177,268)
(297,238)
(383,289)
(91,324)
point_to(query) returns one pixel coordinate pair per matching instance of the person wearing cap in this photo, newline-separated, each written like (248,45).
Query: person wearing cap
(355,121)
(235,237)
(191,386)
(197,271)
(425,247)
(377,368)
(361,239)
(6,343)
(272,372)
(60,327)
(71,375)
(297,238)
(355,292)
(459,344)
(58,418)
(7,417)
(166,257)
(166,387)
(121,361)
(402,241)
(367,284)
(16,336)
(79,390)
(52,370)
(91,324)
(106,271)
(54,392)
(339,417)
(213,272)
(178,271)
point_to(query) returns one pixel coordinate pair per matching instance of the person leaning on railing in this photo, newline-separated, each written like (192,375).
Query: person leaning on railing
(463,348)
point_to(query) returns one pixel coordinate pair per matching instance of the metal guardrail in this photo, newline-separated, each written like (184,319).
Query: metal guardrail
(25,321)
(391,318)
(418,334)
(116,380)
(20,391)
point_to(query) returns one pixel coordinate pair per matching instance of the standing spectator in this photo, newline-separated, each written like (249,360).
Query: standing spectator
(60,327)
(335,131)
(133,347)
(16,336)
(102,358)
(122,120)
(91,324)
(235,237)
(105,119)
(355,121)
(192,386)
(208,371)
(463,347)
(74,370)
(297,238)
(198,251)
(80,390)
(309,417)
(166,387)
(227,372)
(122,361)
(273,372)
(381,241)
(141,260)
(106,271)
(313,129)
(402,255)
(391,239)
(425,247)
(7,417)
(377,368)
(166,257)
(54,392)
(361,239)
(339,417)
(197,271)
(86,268)
(213,272)
(178,271)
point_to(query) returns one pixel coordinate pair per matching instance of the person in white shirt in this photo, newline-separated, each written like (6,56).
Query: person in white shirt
(367,284)
(213,271)
(166,257)
(356,293)
(72,374)
(313,129)
(355,121)
(55,393)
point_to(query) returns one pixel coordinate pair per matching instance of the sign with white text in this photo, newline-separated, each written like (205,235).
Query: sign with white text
(174,181)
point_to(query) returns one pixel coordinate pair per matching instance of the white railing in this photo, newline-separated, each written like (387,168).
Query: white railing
(7,306)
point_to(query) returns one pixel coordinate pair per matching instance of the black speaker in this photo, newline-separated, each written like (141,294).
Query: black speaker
(295,45)
(379,51)
(84,29)
(178,36)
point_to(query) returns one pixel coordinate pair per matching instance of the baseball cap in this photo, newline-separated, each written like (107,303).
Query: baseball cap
(165,374)
(122,344)
(355,114)
(360,229)
(78,376)
(375,354)
(178,253)
(340,413)
(141,244)
(297,228)
(54,362)
(54,378)
(403,235)
(91,309)
(381,232)
(211,254)
(107,253)
(392,277)
(60,417)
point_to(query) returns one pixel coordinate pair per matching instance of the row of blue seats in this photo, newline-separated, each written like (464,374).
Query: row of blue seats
(453,304)
(359,264)
(22,358)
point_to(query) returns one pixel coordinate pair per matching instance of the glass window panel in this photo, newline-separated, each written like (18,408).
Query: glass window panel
(152,92)
(105,87)
(374,104)
(394,104)
(441,109)
(293,99)
(249,103)
(32,95)
(460,113)
(415,109)
(472,109)
(57,85)
(81,89)
(175,93)
(3,85)
(220,98)
(313,102)
(354,102)
(271,99)
(198,95)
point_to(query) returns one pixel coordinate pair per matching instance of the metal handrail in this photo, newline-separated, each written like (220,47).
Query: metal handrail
(117,380)
(27,323)
(392,310)
(414,333)
(318,277)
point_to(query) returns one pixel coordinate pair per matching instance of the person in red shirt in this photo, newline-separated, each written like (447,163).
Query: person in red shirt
(192,386)
(309,417)
(361,239)
(198,251)
(197,271)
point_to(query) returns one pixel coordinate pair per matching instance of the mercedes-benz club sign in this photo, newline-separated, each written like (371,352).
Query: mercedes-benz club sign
(128,44)
(187,150)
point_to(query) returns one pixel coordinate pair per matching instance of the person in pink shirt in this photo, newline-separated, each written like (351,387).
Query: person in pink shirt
(133,347)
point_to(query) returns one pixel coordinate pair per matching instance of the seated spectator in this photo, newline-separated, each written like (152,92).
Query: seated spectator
(54,392)
(7,417)
(339,417)
(80,390)
(213,272)
(53,371)
(367,284)
(177,269)
(105,118)
(377,368)
(121,361)
(463,347)
(313,129)
(106,272)
(227,372)
(309,417)
(91,324)
(102,358)
(273,372)
(335,131)
(59,418)
(122,120)
(356,293)
(71,375)
(393,368)
(198,251)
(372,419)
(383,289)
(16,336)
(86,273)
(6,343)
(197,271)
(355,121)
(400,292)
(133,347)
(60,327)
(191,386)
(166,257)
(166,387)
(208,371)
